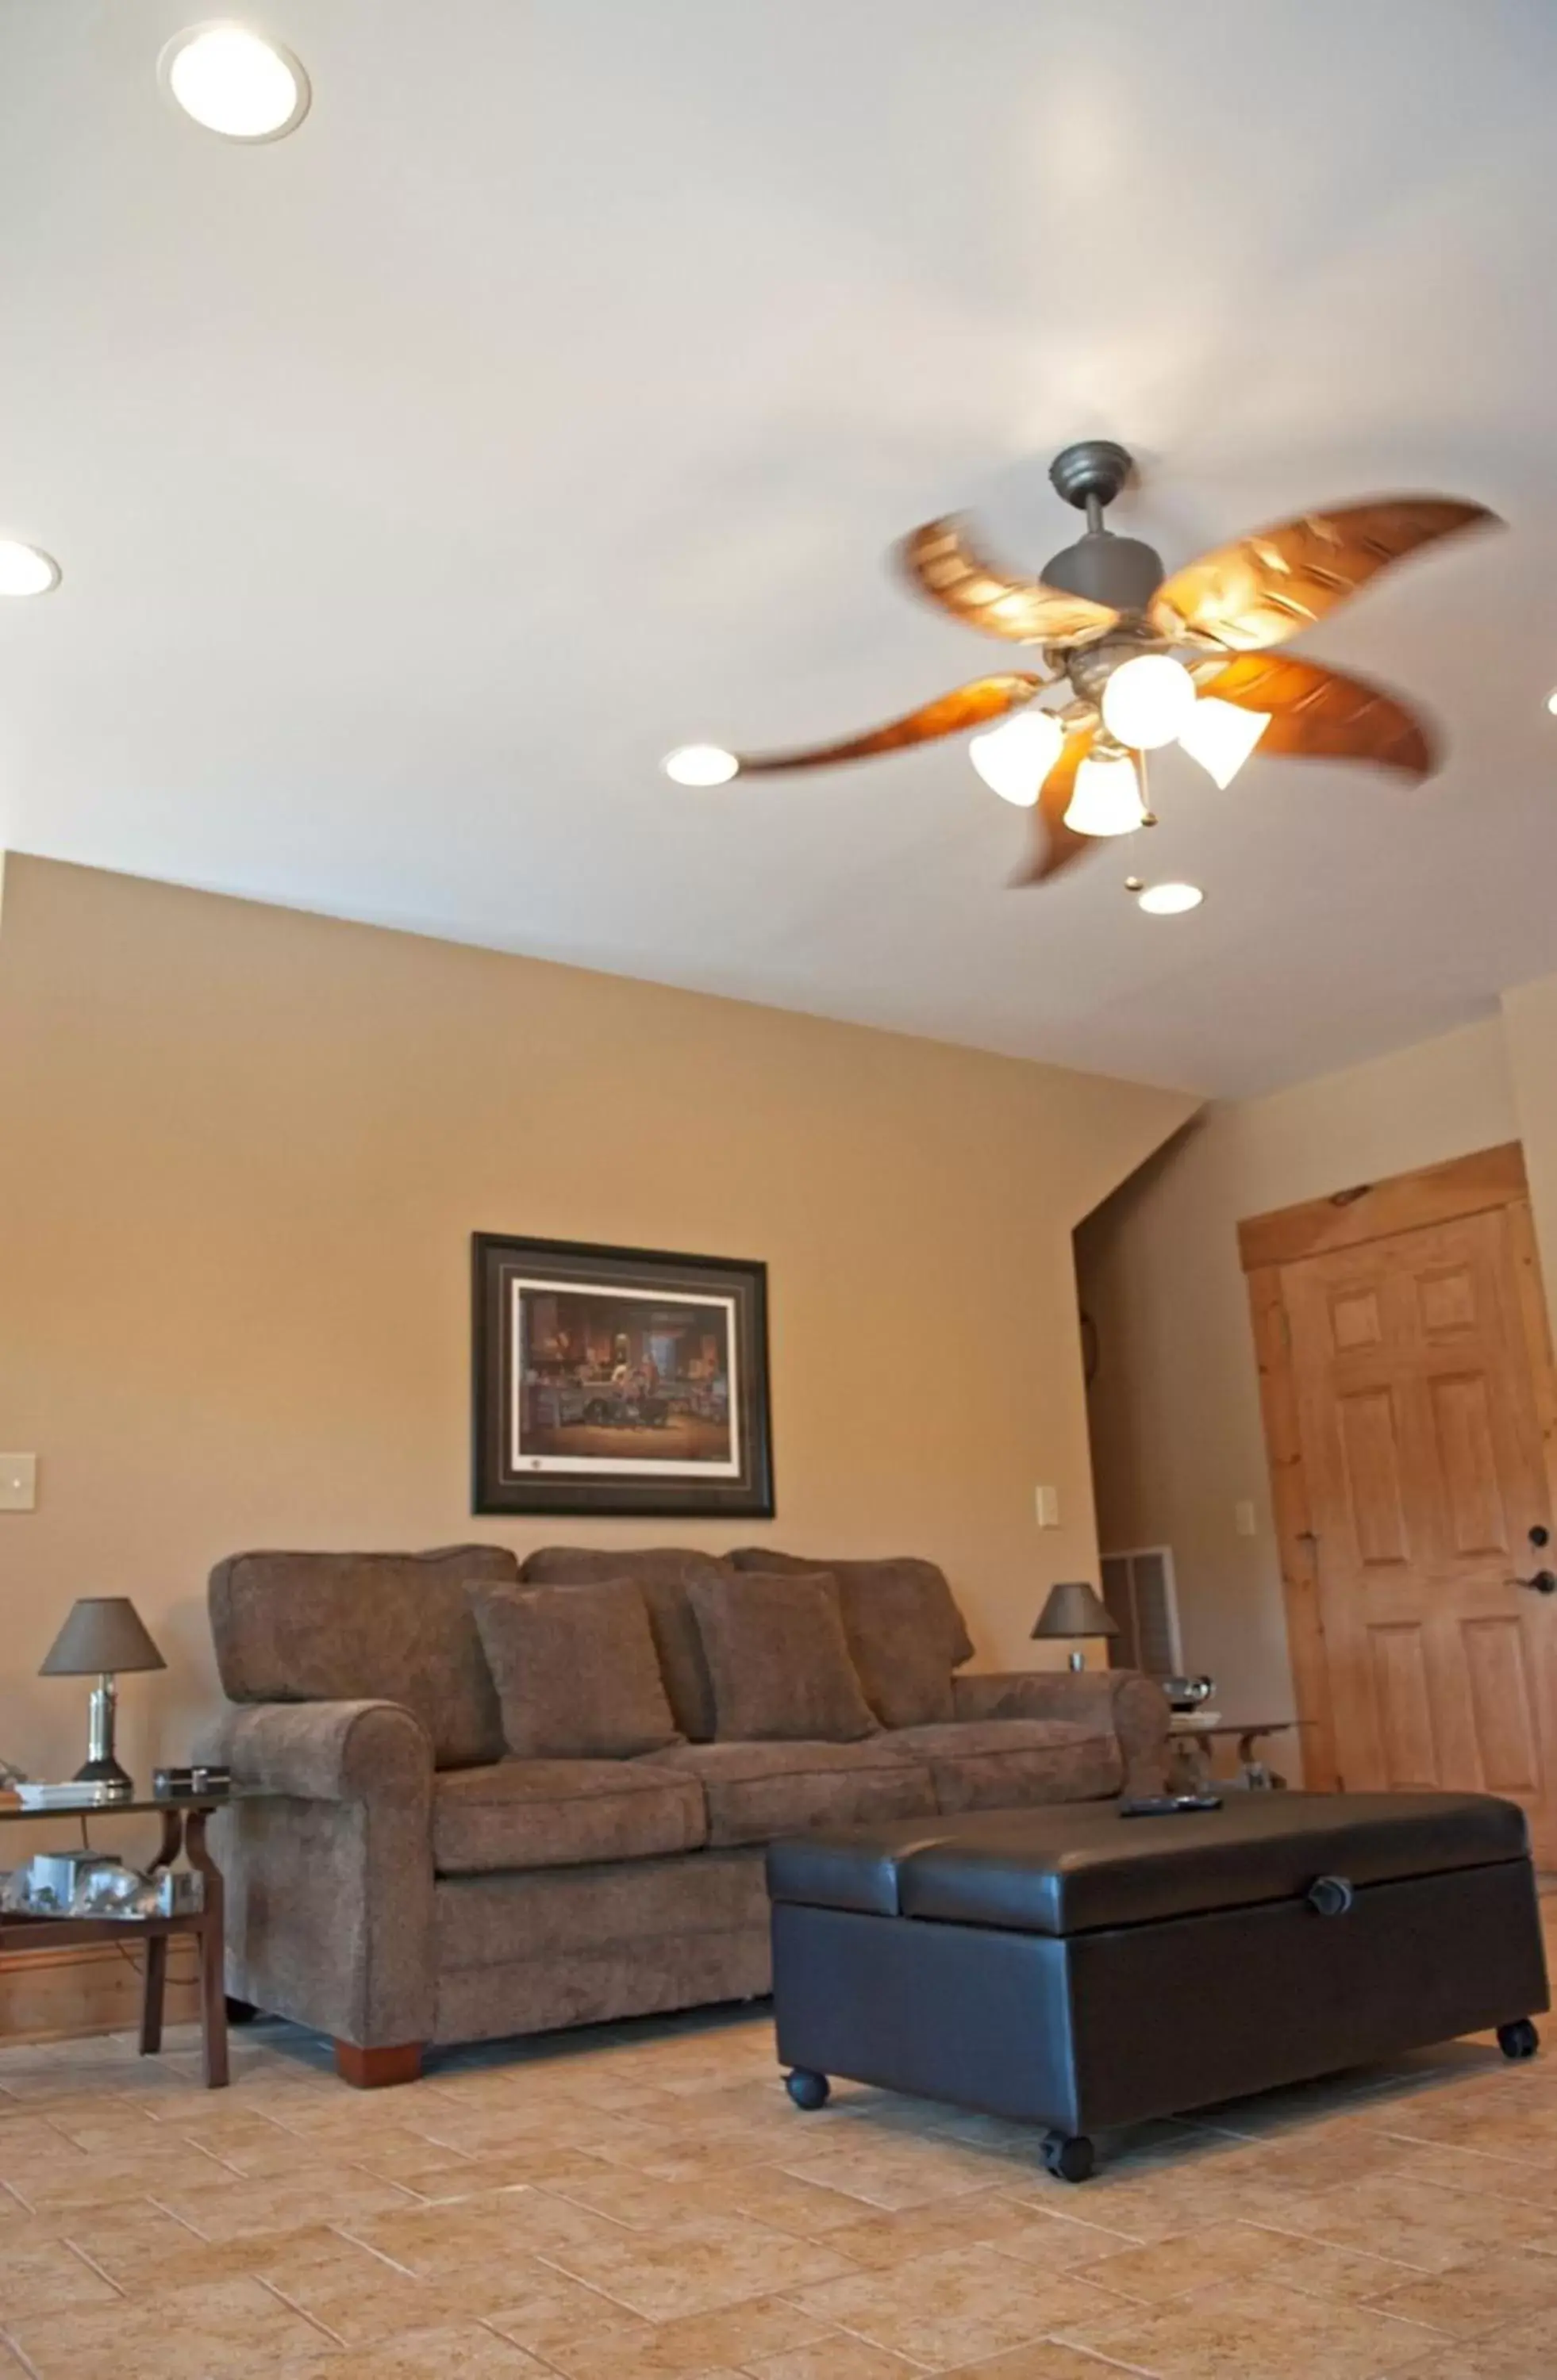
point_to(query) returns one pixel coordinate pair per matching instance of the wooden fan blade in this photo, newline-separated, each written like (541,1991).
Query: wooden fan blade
(967,706)
(1264,588)
(1319,714)
(941,564)
(1054,843)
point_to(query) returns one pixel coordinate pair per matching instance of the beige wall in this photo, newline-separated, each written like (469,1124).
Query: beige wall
(1174,1404)
(241,1154)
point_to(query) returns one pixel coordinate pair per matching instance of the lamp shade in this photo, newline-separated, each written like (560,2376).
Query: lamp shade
(1075,1609)
(104,1633)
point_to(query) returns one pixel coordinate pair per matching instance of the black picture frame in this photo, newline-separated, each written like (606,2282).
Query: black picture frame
(561,1426)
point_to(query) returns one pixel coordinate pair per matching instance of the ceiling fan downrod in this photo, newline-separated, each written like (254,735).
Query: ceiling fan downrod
(1122,572)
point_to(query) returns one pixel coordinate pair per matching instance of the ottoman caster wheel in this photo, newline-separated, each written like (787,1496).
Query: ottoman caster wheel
(809,2091)
(1519,2039)
(1068,2157)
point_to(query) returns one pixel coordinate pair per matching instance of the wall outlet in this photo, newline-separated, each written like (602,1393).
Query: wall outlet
(19,1482)
(1048,1504)
(1244,1519)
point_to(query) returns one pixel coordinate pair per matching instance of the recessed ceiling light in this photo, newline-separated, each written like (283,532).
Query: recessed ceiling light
(25,569)
(235,82)
(1551,699)
(700,764)
(1170,900)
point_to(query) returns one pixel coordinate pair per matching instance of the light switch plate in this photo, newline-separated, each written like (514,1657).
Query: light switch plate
(19,1482)
(1244,1519)
(1048,1502)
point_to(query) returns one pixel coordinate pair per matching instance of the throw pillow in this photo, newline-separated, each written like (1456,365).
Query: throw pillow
(905,1634)
(575,1671)
(779,1660)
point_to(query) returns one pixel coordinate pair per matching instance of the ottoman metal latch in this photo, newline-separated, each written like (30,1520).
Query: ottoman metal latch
(1331,1896)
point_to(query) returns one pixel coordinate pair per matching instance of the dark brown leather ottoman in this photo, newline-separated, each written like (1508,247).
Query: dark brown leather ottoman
(1076,1969)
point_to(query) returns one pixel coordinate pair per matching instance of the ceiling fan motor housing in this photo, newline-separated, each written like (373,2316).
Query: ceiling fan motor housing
(1122,572)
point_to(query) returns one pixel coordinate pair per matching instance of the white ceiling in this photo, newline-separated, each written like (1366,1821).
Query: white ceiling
(552,396)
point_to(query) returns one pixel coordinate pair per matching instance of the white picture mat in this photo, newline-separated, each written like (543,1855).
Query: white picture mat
(612,1467)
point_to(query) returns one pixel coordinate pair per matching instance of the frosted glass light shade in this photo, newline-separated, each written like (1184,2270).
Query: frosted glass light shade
(1148,702)
(1221,736)
(1107,797)
(700,764)
(1015,757)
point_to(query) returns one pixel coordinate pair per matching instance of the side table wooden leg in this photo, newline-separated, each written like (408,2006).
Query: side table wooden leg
(151,2004)
(155,1989)
(212,1939)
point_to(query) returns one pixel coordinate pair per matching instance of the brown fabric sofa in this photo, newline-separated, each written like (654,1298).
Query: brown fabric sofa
(403,1882)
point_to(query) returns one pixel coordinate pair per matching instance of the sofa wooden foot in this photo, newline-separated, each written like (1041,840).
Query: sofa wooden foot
(375,2069)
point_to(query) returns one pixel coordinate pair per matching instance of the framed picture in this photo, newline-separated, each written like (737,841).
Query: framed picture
(619,1380)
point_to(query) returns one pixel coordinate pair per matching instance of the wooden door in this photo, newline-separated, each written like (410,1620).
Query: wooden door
(1415,1418)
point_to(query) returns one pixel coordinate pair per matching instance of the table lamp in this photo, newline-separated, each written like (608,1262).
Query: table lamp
(1076,1609)
(102,1634)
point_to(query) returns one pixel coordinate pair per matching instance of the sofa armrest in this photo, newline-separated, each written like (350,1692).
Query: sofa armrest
(329,1867)
(326,1752)
(1130,1705)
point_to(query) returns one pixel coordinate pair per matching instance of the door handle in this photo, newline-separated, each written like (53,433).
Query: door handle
(1543,1583)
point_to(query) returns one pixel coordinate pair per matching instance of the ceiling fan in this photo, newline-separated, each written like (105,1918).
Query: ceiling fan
(1139,660)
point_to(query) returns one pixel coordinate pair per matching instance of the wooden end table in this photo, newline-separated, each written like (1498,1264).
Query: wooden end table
(1253,1771)
(184,1818)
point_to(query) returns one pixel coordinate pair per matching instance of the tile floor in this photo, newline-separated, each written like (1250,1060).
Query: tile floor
(642,2203)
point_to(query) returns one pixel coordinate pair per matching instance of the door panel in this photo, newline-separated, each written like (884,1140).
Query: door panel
(1422,1457)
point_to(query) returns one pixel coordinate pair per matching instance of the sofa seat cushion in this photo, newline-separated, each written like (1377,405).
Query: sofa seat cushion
(527,1814)
(1003,1764)
(757,1791)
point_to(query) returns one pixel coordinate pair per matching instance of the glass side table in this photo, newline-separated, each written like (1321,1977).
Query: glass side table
(184,1818)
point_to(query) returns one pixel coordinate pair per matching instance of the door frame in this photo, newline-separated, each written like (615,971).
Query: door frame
(1348,1219)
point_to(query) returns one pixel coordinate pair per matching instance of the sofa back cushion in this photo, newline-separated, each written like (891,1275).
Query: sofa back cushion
(780,1660)
(575,1671)
(665,1574)
(905,1634)
(398,1628)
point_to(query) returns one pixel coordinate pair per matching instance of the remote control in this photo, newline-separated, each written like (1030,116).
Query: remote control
(1167,1805)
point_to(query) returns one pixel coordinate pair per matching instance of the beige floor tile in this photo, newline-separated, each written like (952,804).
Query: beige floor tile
(1473,2299)
(696,2343)
(1253,2331)
(499,2224)
(546,2311)
(457,2351)
(897,2172)
(167,2171)
(472,2177)
(1047,2243)
(1184,2260)
(695,2266)
(360,2301)
(129,2238)
(1525,2351)
(224,2328)
(956,2307)
(834,2359)
(48,2276)
(1419,2222)
(252,2145)
(1045,2359)
(316,2193)
(1323,2270)
(1470,2169)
